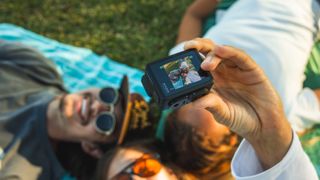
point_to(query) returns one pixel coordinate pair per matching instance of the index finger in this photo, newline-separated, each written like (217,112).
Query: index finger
(236,57)
(201,44)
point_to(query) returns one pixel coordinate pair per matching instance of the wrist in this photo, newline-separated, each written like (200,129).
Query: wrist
(272,147)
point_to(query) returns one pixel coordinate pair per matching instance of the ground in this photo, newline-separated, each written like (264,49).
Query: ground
(133,32)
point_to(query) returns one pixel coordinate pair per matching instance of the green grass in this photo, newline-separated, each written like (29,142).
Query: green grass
(133,32)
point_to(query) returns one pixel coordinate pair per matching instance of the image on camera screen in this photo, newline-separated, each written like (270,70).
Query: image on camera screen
(181,72)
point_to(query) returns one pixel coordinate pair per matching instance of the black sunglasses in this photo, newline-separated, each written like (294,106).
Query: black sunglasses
(105,122)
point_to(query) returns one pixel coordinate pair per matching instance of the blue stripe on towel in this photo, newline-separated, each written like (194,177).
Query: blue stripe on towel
(80,67)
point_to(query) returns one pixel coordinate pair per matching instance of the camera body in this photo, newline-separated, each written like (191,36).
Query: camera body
(177,80)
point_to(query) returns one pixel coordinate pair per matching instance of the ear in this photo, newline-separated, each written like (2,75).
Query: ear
(92,149)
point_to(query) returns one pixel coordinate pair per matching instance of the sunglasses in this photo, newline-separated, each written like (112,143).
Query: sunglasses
(105,122)
(146,166)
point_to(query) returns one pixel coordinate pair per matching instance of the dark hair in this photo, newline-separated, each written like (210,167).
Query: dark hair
(75,161)
(148,146)
(195,152)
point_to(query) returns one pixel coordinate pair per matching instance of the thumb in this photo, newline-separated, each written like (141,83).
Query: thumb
(216,106)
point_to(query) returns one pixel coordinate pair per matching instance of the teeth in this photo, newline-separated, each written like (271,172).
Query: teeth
(84,107)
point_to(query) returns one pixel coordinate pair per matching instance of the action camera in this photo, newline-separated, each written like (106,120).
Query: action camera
(176,80)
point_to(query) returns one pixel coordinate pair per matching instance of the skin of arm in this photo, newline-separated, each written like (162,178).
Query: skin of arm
(191,23)
(317,92)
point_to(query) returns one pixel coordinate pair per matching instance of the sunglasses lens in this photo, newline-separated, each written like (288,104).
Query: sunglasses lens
(146,167)
(108,95)
(105,122)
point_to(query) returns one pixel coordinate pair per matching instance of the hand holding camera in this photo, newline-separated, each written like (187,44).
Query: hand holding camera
(244,100)
(242,97)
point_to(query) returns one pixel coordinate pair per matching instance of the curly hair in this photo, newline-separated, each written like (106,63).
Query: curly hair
(195,151)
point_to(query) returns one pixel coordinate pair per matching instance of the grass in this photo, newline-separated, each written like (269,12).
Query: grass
(133,32)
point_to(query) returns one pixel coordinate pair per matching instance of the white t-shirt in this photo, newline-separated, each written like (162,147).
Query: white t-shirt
(278,35)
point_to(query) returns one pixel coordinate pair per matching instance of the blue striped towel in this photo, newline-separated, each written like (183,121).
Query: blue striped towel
(80,67)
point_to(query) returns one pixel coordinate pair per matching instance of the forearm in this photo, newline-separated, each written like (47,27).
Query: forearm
(273,141)
(271,151)
(191,23)
(190,28)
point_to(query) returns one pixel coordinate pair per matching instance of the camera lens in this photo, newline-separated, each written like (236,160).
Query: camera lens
(176,105)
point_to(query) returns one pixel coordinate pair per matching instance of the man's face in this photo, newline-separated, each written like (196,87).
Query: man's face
(72,117)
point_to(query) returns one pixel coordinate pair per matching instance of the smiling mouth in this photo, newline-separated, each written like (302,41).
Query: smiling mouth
(84,111)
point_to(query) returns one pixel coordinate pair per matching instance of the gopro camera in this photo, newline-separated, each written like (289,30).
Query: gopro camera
(177,80)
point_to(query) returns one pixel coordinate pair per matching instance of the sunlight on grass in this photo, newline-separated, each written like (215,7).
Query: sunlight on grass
(133,32)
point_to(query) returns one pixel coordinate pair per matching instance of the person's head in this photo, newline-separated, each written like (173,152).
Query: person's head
(81,162)
(72,125)
(198,143)
(184,67)
(77,110)
(174,75)
(139,160)
(93,115)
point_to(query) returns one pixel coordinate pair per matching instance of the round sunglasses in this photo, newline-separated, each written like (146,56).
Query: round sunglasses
(105,122)
(147,165)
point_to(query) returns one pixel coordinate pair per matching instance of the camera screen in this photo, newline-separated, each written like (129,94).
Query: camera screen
(181,72)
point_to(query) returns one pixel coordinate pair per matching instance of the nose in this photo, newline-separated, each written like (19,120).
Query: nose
(98,107)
